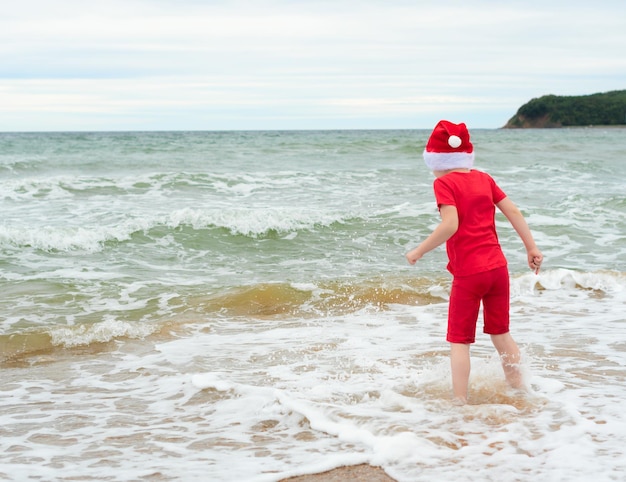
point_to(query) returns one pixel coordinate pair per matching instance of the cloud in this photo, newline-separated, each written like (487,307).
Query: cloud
(304,64)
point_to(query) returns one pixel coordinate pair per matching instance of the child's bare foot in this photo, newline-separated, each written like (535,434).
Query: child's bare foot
(513,375)
(459,401)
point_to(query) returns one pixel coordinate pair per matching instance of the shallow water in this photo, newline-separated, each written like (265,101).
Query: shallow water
(236,306)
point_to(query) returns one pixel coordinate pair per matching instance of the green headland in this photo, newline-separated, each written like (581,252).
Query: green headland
(603,109)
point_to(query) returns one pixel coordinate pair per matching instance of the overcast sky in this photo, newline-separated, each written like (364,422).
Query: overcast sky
(319,64)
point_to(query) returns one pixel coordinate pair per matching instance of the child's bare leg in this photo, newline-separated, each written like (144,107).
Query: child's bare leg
(460,363)
(510,356)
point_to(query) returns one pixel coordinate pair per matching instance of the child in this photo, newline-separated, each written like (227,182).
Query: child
(467,200)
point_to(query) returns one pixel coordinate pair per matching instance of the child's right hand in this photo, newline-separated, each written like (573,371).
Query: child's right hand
(535,258)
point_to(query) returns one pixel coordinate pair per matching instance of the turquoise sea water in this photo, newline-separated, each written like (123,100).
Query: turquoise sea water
(237,305)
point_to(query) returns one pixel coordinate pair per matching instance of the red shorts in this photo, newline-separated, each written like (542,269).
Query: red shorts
(490,287)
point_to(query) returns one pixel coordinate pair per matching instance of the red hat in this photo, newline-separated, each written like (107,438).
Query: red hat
(449,147)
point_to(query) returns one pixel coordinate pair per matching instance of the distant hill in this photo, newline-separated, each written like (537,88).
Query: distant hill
(606,109)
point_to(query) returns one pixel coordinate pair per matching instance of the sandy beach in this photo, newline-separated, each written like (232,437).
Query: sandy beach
(353,473)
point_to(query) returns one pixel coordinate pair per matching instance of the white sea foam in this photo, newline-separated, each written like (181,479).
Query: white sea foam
(48,238)
(254,222)
(107,330)
(261,400)
(247,222)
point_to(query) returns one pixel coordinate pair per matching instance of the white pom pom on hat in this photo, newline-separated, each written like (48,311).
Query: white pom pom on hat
(449,147)
(454,141)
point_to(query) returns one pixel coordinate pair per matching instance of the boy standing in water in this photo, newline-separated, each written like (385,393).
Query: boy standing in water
(467,199)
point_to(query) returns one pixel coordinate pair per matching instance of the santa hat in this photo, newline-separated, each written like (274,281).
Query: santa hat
(449,147)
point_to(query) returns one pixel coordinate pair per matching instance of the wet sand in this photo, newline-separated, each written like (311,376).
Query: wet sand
(353,473)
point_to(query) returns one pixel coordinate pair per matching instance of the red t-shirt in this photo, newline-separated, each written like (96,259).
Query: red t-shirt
(474,248)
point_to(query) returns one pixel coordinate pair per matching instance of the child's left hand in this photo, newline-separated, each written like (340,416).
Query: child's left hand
(413,256)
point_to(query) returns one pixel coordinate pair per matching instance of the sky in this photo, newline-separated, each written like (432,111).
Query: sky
(119,65)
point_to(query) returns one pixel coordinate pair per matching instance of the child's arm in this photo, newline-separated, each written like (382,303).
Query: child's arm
(516,218)
(448,226)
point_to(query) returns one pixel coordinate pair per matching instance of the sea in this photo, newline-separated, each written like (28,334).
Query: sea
(236,306)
